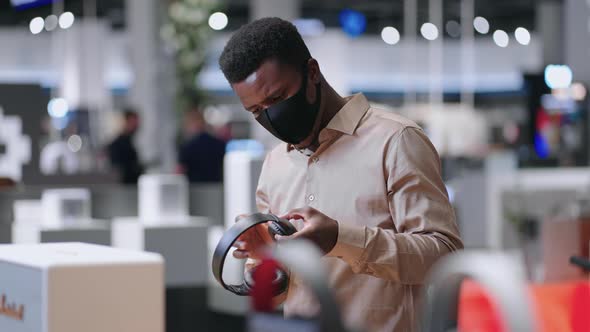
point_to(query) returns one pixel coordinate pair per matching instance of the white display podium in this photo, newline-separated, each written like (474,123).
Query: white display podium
(27,209)
(72,287)
(65,207)
(182,243)
(162,196)
(88,231)
(164,226)
(62,215)
(240,180)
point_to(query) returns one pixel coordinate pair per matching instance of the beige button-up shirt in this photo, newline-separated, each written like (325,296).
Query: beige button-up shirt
(379,176)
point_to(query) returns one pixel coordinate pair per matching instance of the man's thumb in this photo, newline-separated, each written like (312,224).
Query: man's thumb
(280,238)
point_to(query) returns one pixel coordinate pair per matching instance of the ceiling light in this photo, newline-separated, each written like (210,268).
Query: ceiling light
(501,38)
(66,20)
(522,36)
(390,35)
(36,25)
(558,76)
(218,21)
(58,108)
(429,31)
(481,25)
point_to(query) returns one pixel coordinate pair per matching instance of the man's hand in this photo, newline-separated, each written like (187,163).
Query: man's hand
(249,244)
(317,227)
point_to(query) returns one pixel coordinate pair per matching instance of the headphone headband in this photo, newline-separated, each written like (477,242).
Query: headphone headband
(231,235)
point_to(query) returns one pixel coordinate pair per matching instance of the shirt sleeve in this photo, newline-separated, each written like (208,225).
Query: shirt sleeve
(424,226)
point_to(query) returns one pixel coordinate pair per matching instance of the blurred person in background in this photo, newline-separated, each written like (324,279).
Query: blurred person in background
(201,154)
(122,152)
(366,182)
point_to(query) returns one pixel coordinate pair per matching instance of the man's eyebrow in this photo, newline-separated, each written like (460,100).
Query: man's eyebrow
(268,96)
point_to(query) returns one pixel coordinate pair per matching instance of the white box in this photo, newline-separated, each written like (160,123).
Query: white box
(89,231)
(65,206)
(73,287)
(162,196)
(240,179)
(182,243)
(27,210)
(241,171)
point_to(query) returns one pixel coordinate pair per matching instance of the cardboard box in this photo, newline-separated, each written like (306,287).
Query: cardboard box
(73,287)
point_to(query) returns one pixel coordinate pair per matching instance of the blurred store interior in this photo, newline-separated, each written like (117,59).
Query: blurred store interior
(499,86)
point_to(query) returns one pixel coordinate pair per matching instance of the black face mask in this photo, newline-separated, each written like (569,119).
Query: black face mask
(292,119)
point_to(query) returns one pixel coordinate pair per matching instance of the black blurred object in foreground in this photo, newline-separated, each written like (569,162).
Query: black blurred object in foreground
(581,262)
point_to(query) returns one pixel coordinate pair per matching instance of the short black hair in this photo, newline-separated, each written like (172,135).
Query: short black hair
(258,41)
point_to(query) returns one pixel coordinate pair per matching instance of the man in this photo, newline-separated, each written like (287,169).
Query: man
(201,155)
(122,153)
(365,181)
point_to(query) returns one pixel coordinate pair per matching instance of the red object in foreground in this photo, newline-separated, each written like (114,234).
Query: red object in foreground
(477,312)
(581,308)
(263,289)
(563,307)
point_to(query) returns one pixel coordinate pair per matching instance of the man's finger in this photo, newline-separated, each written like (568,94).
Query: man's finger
(295,214)
(302,234)
(240,254)
(240,245)
(280,238)
(240,216)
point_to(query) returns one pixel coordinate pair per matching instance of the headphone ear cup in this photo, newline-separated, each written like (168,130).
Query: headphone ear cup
(274,228)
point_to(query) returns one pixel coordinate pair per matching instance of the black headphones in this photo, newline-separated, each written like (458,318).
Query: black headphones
(276,226)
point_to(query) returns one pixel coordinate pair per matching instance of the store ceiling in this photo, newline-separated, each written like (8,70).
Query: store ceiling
(502,14)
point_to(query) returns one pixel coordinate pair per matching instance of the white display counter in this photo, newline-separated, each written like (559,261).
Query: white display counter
(164,226)
(73,287)
(240,179)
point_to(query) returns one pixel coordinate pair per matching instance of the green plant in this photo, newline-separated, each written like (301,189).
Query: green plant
(186,33)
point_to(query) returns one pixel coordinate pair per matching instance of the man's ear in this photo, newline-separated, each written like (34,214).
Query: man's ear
(313,70)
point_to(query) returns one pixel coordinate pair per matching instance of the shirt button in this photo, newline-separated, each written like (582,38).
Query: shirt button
(311,198)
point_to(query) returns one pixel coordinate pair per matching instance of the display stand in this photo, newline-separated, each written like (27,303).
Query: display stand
(164,226)
(241,173)
(62,215)
(182,243)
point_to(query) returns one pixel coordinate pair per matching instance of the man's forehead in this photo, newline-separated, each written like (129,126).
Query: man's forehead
(269,70)
(251,78)
(257,85)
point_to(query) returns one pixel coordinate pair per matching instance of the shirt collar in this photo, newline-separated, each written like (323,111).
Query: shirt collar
(347,119)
